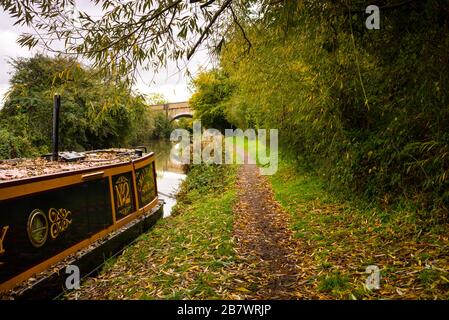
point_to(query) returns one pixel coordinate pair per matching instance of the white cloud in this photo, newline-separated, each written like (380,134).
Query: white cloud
(173,93)
(9,49)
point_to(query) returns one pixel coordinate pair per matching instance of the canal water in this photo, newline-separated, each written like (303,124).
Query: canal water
(169,173)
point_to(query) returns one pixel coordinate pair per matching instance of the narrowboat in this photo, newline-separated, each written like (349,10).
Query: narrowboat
(50,211)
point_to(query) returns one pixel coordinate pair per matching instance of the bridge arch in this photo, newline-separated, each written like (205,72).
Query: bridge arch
(181,115)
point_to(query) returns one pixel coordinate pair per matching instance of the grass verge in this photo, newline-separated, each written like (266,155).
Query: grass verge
(184,256)
(344,239)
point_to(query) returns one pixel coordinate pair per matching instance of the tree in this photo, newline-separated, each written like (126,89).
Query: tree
(184,123)
(95,112)
(162,127)
(211,91)
(156,98)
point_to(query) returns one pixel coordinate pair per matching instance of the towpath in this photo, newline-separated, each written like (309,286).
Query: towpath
(264,240)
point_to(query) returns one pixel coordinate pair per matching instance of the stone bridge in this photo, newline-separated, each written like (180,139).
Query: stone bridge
(174,110)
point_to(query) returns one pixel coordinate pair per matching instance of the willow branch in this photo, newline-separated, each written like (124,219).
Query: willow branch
(206,31)
(242,30)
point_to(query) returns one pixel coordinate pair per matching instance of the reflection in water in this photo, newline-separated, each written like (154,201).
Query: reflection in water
(169,174)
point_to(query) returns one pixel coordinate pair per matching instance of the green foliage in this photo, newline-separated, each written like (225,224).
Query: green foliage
(156,98)
(184,123)
(212,88)
(95,112)
(12,146)
(204,179)
(333,283)
(162,126)
(367,109)
(428,276)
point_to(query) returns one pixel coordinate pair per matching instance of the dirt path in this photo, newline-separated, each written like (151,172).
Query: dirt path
(264,240)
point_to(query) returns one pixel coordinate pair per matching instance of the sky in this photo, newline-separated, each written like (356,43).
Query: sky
(169,81)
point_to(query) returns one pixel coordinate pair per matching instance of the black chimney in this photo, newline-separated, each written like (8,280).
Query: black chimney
(55,135)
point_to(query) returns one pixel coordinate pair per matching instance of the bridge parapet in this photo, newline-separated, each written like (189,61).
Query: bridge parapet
(174,110)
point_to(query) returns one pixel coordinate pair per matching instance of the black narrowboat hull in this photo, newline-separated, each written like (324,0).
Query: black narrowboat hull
(47,218)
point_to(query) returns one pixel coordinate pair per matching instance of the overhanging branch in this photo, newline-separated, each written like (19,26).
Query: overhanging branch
(242,30)
(207,29)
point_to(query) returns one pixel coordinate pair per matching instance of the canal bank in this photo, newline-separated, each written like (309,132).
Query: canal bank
(187,256)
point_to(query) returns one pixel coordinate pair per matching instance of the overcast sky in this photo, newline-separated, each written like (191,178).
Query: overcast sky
(170,82)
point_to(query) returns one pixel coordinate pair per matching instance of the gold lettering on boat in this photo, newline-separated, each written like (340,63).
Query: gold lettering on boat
(122,193)
(145,185)
(142,181)
(2,239)
(60,221)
